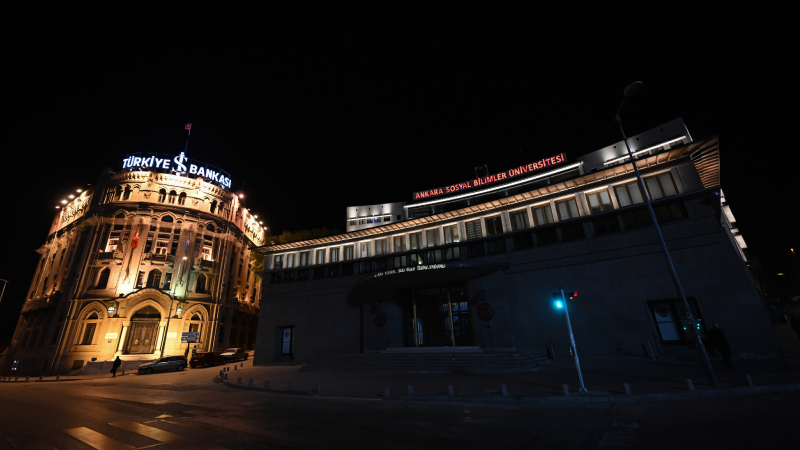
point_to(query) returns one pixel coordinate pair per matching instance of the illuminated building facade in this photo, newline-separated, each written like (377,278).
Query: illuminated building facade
(475,264)
(146,261)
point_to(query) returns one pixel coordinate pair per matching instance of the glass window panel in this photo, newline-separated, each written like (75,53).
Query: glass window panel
(573,208)
(519,220)
(474,229)
(605,199)
(562,211)
(539,217)
(622,195)
(399,244)
(415,240)
(548,214)
(667,185)
(654,188)
(636,194)
(451,234)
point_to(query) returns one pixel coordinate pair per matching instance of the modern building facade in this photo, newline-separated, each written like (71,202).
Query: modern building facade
(475,264)
(147,261)
(370,216)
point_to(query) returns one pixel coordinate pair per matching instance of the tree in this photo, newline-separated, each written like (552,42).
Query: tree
(286,237)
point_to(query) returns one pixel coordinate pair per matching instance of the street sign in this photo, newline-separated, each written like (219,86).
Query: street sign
(191,333)
(190,336)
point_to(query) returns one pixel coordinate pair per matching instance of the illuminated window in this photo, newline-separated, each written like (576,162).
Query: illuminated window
(381,247)
(494,225)
(334,255)
(207,253)
(113,242)
(543,215)
(369,220)
(599,201)
(415,240)
(348,253)
(278,262)
(364,250)
(474,229)
(519,220)
(88,334)
(377,220)
(628,194)
(139,280)
(303,259)
(660,186)
(399,243)
(162,195)
(320,256)
(451,234)
(172,196)
(162,247)
(290,260)
(567,209)
(182,199)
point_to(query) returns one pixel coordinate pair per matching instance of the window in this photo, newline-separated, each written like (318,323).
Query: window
(321,256)
(162,195)
(200,287)
(127,194)
(290,260)
(599,201)
(278,262)
(370,220)
(628,194)
(364,250)
(113,242)
(162,247)
(212,207)
(303,259)
(348,253)
(88,334)
(221,209)
(473,229)
(118,193)
(167,280)
(154,279)
(451,234)
(387,218)
(494,226)
(102,280)
(606,225)
(519,220)
(399,244)
(415,240)
(398,217)
(207,250)
(567,209)
(433,237)
(334,255)
(660,186)
(543,215)
(287,340)
(182,199)
(172,196)
(381,247)
(194,327)
(139,280)
(377,220)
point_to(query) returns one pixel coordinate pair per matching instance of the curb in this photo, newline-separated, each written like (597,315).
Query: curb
(62,379)
(572,398)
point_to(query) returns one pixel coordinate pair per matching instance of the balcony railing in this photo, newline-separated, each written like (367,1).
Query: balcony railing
(203,263)
(108,256)
(159,257)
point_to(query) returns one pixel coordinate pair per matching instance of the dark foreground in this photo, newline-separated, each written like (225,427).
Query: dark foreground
(187,410)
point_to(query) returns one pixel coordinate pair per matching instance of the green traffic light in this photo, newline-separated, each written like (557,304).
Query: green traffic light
(559,305)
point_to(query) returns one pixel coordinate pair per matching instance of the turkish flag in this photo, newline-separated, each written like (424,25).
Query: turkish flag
(135,239)
(188,126)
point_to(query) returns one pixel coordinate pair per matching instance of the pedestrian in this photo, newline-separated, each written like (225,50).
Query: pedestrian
(194,350)
(717,339)
(115,366)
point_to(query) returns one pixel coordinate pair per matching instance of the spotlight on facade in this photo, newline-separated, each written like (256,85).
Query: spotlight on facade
(185,257)
(261,222)
(80,190)
(71,196)
(255,216)
(64,202)
(58,207)
(241,195)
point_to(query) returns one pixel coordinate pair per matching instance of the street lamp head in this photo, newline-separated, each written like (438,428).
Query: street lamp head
(633,88)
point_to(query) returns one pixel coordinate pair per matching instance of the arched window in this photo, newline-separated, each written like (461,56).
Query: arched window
(119,226)
(182,198)
(166,218)
(213,207)
(200,288)
(221,209)
(196,317)
(210,227)
(118,193)
(154,279)
(172,196)
(162,195)
(127,195)
(89,327)
(102,280)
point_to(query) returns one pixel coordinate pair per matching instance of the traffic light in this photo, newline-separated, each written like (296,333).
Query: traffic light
(558,301)
(573,295)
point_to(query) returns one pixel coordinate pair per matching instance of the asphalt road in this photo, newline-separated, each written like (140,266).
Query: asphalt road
(187,410)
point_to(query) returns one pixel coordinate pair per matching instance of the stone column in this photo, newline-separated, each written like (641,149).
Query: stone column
(122,335)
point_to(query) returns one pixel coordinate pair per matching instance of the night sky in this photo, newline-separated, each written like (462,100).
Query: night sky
(313,110)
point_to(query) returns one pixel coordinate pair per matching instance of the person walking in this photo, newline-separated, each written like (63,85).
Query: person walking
(115,366)
(717,339)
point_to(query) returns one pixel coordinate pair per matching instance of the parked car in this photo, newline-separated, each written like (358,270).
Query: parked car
(235,354)
(207,359)
(164,364)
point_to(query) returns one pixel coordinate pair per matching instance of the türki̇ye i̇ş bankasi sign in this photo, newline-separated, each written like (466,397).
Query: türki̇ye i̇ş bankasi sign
(508,174)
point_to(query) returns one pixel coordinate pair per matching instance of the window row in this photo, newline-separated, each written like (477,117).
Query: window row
(371,220)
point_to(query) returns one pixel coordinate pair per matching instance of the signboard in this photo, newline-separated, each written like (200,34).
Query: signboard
(409,269)
(179,164)
(172,335)
(502,176)
(111,335)
(190,336)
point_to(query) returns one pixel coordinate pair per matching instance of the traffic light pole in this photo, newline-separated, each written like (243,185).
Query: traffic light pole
(572,340)
(701,349)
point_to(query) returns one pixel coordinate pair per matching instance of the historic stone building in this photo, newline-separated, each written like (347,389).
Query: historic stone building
(475,264)
(131,264)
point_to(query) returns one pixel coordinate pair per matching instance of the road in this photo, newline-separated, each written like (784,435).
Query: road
(186,410)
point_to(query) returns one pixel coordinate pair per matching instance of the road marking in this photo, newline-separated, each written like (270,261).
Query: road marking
(151,432)
(30,443)
(97,440)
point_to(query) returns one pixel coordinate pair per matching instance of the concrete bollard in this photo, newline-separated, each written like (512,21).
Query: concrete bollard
(689,384)
(450,390)
(566,389)
(504,390)
(410,391)
(16,378)
(747,380)
(251,381)
(266,384)
(386,393)
(123,371)
(319,390)
(221,372)
(627,388)
(291,385)
(239,381)
(57,377)
(40,378)
(27,378)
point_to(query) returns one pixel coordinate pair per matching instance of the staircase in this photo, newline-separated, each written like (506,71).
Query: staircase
(429,362)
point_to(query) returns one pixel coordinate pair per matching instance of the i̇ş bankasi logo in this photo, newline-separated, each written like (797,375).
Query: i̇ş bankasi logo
(164,163)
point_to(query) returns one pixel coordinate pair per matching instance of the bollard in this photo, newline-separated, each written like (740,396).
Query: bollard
(410,391)
(239,381)
(386,393)
(16,378)
(251,381)
(220,372)
(747,380)
(627,388)
(566,390)
(57,377)
(266,384)
(123,372)
(689,384)
(450,390)
(226,376)
(27,378)
(40,378)
(504,390)
(319,390)
(291,385)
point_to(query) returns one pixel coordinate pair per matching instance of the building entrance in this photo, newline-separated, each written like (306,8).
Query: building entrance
(143,332)
(436,317)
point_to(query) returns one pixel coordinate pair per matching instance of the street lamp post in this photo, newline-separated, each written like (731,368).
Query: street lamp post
(632,89)
(169,314)
(572,339)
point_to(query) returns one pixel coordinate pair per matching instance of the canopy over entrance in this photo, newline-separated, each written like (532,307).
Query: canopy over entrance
(429,274)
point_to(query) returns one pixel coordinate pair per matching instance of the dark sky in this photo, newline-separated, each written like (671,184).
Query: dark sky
(314,110)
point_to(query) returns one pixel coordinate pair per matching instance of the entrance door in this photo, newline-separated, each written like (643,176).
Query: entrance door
(434,327)
(142,337)
(670,319)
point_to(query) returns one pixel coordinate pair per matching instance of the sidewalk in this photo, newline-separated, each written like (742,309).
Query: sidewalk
(649,380)
(60,378)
